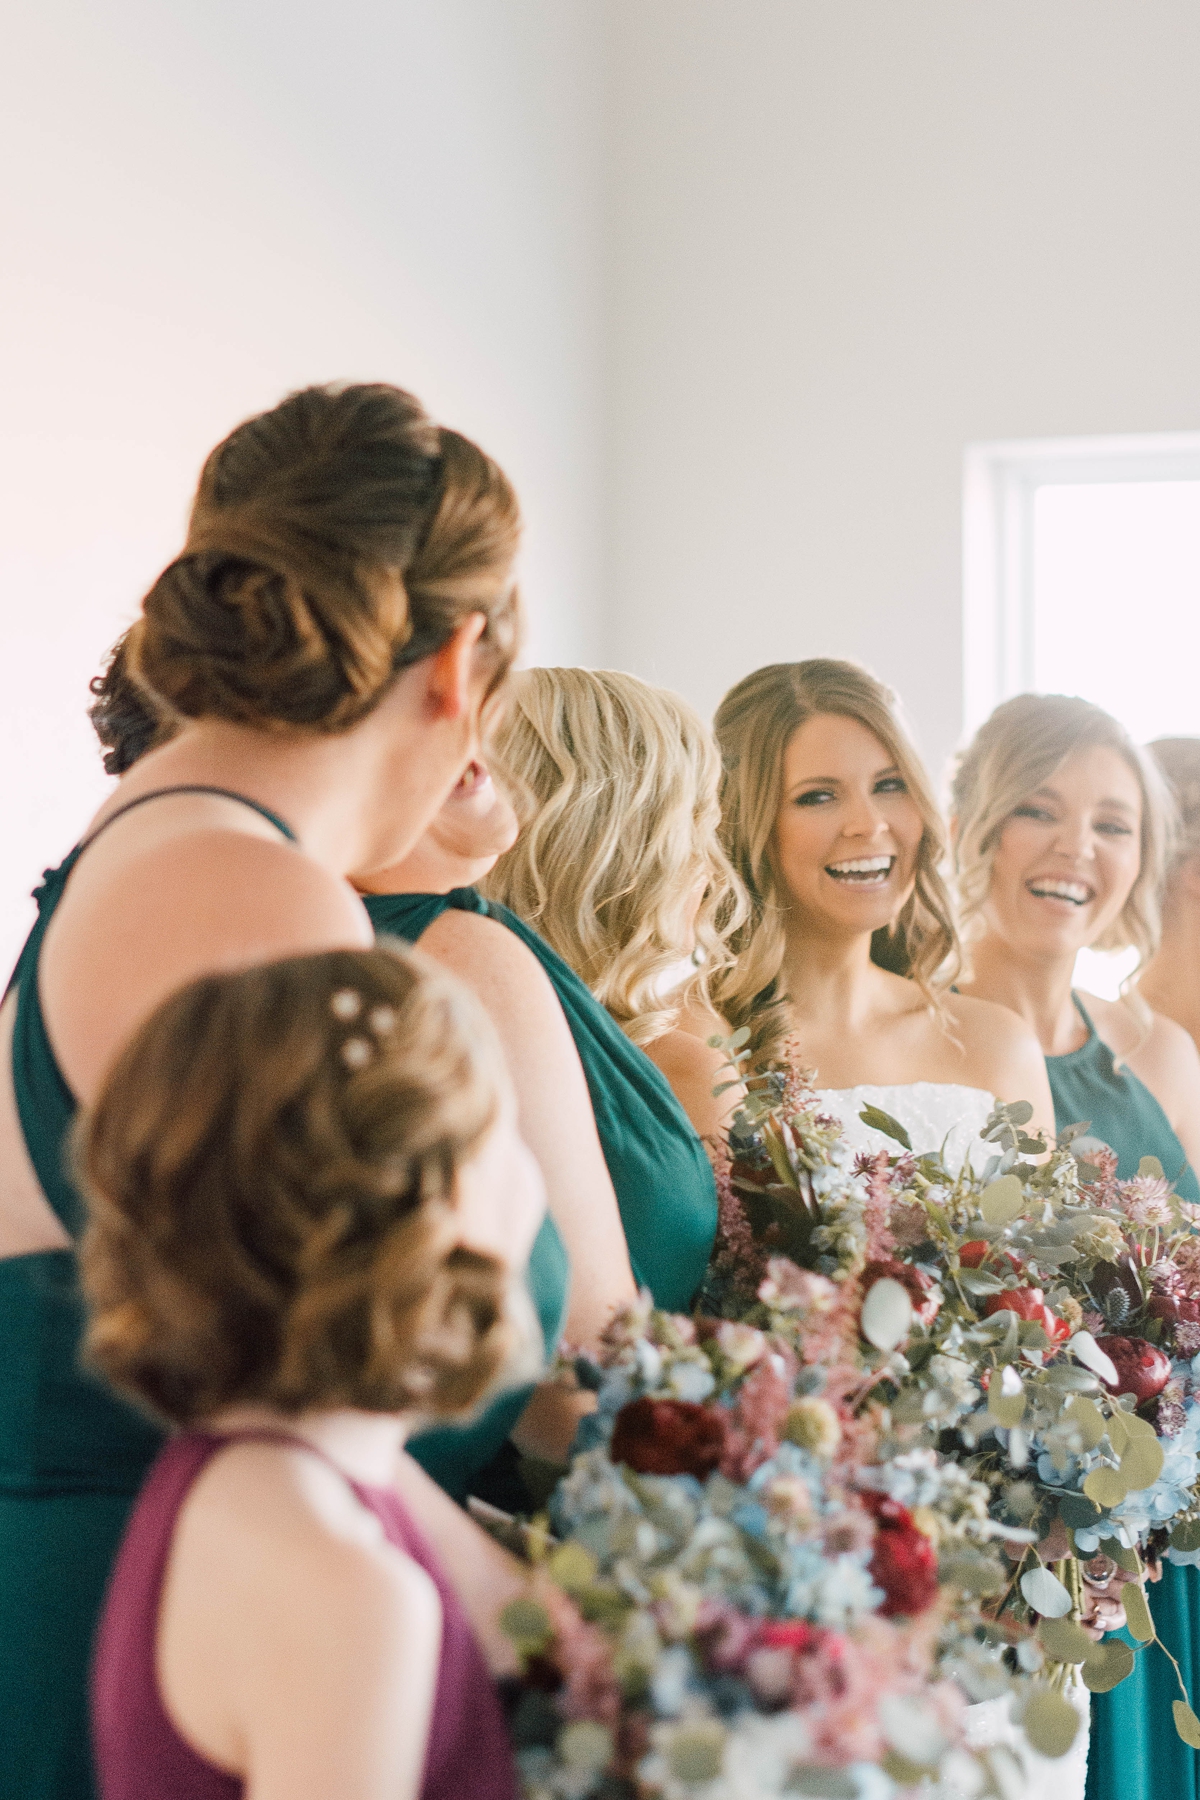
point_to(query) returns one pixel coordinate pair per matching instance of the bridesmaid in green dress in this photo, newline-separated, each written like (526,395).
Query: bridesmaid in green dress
(622,870)
(1062,826)
(585,1091)
(326,643)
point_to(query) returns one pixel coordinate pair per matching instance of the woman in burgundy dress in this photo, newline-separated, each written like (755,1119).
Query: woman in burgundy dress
(308,1198)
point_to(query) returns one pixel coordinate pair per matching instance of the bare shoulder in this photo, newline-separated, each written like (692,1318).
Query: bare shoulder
(133,928)
(694,1069)
(984,1025)
(1001,1054)
(295,1544)
(1160,1052)
(493,961)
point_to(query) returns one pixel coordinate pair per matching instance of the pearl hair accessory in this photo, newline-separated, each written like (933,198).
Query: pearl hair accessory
(346,1005)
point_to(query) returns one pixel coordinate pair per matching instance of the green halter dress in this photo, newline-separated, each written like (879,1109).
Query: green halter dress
(1135,1752)
(662,1177)
(72,1455)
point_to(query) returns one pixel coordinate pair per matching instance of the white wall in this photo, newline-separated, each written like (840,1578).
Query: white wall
(846,239)
(208,203)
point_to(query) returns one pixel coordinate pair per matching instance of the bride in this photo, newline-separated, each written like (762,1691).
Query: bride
(846,962)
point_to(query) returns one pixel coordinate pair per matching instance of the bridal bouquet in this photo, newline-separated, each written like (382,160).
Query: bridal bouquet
(1039,1321)
(726,1609)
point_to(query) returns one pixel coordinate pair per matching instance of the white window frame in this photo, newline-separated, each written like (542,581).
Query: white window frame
(1000,481)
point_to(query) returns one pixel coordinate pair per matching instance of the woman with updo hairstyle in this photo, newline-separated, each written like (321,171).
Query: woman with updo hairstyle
(308,1203)
(620,873)
(1170,982)
(845,964)
(325,647)
(1063,831)
(560,1046)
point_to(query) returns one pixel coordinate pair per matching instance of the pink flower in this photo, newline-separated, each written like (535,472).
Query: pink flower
(755,1421)
(909,1224)
(1146,1201)
(789,1288)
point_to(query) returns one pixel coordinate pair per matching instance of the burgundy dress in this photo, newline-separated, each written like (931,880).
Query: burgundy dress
(140,1755)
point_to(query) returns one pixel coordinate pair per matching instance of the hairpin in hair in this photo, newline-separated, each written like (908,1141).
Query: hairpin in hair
(357,1052)
(345,1004)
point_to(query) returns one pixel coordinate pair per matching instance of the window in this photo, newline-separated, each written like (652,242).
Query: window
(1082,576)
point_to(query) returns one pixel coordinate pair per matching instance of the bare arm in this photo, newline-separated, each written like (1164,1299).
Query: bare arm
(1002,1055)
(1169,1064)
(554,1108)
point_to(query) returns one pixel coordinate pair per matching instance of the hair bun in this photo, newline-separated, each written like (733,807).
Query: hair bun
(318,562)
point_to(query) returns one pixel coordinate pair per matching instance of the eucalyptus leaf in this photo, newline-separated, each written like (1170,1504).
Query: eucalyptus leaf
(1142,1463)
(1186,1535)
(1186,1723)
(1114,1663)
(1046,1594)
(1124,1557)
(1069,1380)
(1119,1434)
(1050,1721)
(1018,1112)
(1087,1419)
(1137,1612)
(879,1120)
(739,1037)
(886,1314)
(977,1281)
(1107,1487)
(1003,1201)
(1064,1641)
(1150,1168)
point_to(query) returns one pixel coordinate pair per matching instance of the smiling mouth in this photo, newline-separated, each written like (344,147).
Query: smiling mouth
(1078,893)
(862,871)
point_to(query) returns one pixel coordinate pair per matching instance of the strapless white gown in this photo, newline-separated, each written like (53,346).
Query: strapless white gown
(935,1113)
(932,1113)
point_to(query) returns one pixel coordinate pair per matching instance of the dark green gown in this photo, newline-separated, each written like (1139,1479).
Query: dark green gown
(72,1455)
(1135,1752)
(660,1172)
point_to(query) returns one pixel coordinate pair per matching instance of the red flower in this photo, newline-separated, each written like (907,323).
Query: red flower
(797,1635)
(1029,1303)
(926,1301)
(669,1437)
(976,1253)
(905,1562)
(1142,1370)
(1171,1308)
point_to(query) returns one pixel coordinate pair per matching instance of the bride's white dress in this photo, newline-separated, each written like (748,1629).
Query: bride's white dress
(932,1113)
(935,1113)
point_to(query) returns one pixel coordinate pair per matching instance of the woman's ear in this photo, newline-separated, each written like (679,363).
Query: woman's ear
(452,678)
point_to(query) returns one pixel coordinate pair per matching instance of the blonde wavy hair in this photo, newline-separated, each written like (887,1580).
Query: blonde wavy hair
(1015,752)
(755,723)
(625,780)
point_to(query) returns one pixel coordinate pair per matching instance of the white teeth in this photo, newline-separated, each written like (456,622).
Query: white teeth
(1076,891)
(863,865)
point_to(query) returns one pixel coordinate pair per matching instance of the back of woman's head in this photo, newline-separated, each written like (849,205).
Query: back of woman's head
(271,1170)
(754,725)
(620,869)
(333,541)
(1015,752)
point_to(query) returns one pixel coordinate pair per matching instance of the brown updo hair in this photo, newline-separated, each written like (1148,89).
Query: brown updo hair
(271,1176)
(123,714)
(333,541)
(1179,760)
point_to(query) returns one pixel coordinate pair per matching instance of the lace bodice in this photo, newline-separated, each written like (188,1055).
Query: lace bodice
(932,1112)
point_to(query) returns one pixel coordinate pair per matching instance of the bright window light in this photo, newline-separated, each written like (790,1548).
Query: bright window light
(1116,600)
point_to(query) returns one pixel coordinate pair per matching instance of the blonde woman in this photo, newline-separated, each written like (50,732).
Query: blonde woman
(621,870)
(1171,982)
(1063,830)
(846,961)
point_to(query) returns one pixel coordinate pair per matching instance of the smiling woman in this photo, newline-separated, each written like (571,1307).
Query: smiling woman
(1062,830)
(847,962)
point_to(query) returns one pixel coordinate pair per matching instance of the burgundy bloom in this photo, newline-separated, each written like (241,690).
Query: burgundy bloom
(905,1562)
(669,1437)
(976,1253)
(1142,1370)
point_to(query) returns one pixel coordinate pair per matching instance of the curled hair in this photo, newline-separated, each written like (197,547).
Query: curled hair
(755,723)
(1178,759)
(123,714)
(624,780)
(272,1194)
(333,541)
(1015,752)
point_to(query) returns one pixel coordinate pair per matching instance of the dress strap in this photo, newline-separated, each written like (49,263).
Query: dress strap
(265,812)
(1085,1016)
